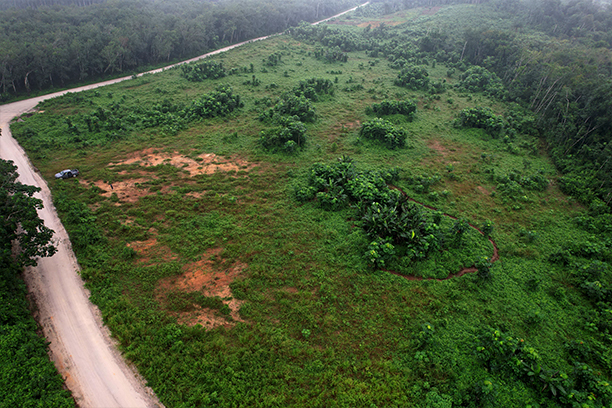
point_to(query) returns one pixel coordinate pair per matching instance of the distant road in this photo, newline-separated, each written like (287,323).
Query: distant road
(80,344)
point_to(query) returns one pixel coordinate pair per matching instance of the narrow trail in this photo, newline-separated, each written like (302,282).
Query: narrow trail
(79,344)
(462,271)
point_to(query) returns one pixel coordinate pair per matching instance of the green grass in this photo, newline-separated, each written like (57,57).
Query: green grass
(322,328)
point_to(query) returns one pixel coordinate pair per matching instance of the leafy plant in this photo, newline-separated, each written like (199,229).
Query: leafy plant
(313,87)
(291,105)
(385,132)
(413,77)
(380,252)
(480,79)
(481,117)
(387,107)
(289,135)
(200,71)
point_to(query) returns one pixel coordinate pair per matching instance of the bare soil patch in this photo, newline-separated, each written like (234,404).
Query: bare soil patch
(483,190)
(437,146)
(152,252)
(207,163)
(211,279)
(128,191)
(132,189)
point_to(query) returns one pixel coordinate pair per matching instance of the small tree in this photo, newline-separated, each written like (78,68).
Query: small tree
(483,265)
(459,228)
(487,228)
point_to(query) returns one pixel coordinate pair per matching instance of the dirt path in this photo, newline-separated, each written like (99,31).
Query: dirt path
(80,345)
(462,271)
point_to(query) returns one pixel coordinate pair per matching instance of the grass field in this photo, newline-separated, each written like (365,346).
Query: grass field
(225,290)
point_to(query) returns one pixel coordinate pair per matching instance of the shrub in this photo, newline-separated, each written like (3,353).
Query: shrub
(290,134)
(479,79)
(380,252)
(387,107)
(460,227)
(291,105)
(220,102)
(385,132)
(421,183)
(273,59)
(313,87)
(305,193)
(198,72)
(332,54)
(480,117)
(413,77)
(487,228)
(483,265)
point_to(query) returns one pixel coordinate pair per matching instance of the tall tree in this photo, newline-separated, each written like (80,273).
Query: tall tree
(19,219)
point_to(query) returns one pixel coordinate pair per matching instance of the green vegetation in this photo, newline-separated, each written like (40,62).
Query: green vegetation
(28,376)
(483,118)
(50,44)
(480,79)
(385,132)
(200,71)
(415,78)
(304,280)
(407,108)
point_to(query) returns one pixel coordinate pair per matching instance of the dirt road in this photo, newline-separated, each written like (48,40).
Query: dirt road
(80,344)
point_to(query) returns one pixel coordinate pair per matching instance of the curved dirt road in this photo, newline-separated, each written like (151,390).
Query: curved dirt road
(80,344)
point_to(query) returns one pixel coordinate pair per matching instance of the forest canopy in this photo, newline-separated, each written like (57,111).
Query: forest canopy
(52,44)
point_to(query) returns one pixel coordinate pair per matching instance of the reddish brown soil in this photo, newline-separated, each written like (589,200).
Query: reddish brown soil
(151,252)
(211,280)
(131,190)
(483,190)
(207,163)
(461,272)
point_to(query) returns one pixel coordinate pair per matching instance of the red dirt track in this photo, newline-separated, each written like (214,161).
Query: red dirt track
(462,271)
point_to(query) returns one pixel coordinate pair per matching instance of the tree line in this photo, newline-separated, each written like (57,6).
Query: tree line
(53,46)
(28,376)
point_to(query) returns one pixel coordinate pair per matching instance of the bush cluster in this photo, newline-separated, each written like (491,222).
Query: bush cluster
(291,105)
(481,117)
(413,77)
(510,356)
(220,102)
(331,54)
(480,79)
(273,59)
(287,136)
(385,132)
(313,87)
(396,227)
(200,71)
(387,107)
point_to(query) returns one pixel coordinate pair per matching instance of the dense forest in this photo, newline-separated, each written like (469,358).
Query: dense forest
(52,46)
(408,206)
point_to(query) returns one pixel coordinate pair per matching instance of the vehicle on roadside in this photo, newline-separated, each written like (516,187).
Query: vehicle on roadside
(68,173)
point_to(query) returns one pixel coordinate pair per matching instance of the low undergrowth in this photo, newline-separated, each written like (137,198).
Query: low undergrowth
(325,321)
